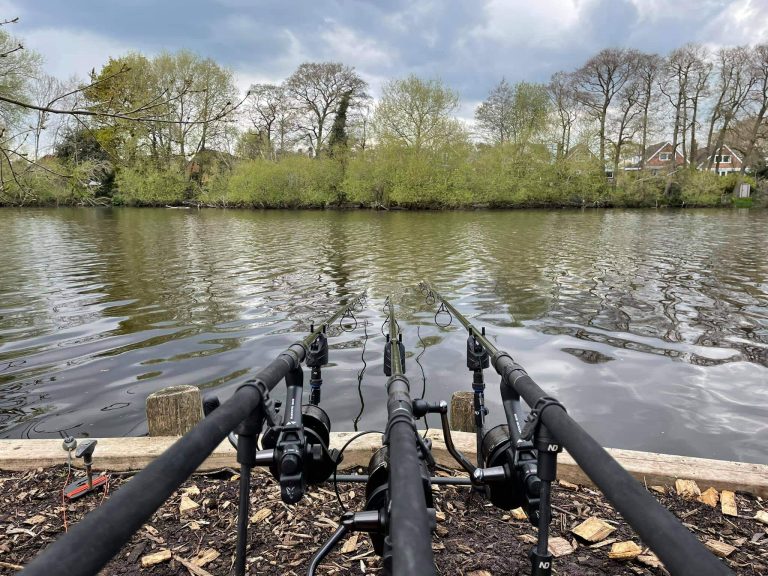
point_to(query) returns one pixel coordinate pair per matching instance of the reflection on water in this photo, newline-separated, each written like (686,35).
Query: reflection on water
(652,327)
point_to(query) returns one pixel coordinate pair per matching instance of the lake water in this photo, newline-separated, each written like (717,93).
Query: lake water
(650,326)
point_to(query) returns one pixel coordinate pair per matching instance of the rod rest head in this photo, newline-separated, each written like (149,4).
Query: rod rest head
(85,449)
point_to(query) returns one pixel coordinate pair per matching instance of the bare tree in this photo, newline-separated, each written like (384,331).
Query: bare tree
(735,79)
(600,80)
(648,70)
(495,112)
(317,88)
(272,114)
(562,94)
(514,113)
(623,123)
(759,101)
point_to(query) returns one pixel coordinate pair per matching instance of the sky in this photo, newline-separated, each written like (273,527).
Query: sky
(469,44)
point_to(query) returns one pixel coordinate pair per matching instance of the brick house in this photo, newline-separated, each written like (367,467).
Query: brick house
(658,158)
(725,161)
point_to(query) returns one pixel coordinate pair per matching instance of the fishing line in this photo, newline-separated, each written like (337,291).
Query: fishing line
(423,375)
(338,459)
(360,376)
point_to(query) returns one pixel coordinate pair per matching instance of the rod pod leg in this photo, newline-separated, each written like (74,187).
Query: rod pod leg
(246,456)
(548,448)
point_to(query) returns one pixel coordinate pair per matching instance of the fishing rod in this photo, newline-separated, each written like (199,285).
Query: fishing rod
(399,515)
(93,541)
(550,428)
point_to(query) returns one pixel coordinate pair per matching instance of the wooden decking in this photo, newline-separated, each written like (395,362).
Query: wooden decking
(121,454)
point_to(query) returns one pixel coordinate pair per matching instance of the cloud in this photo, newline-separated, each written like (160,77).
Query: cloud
(543,23)
(347,46)
(742,22)
(68,52)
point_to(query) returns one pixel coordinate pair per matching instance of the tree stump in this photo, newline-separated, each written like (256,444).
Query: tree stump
(174,411)
(462,412)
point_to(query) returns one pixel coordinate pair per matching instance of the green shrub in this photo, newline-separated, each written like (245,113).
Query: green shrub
(148,186)
(295,181)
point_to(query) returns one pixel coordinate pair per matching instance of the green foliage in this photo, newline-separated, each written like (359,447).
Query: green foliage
(338,139)
(293,182)
(417,113)
(149,186)
(514,113)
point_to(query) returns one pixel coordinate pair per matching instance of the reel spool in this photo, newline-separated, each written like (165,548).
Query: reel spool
(317,434)
(523,486)
(377,488)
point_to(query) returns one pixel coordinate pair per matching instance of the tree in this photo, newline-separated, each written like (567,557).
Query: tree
(338,140)
(271,113)
(735,79)
(317,89)
(600,80)
(516,114)
(562,95)
(494,113)
(759,101)
(252,145)
(417,113)
(122,86)
(648,70)
(624,122)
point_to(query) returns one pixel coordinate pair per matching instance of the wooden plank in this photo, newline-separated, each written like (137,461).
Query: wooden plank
(133,453)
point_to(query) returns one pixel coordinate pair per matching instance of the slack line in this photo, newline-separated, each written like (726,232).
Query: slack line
(515,466)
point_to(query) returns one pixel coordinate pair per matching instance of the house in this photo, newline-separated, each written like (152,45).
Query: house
(658,158)
(724,161)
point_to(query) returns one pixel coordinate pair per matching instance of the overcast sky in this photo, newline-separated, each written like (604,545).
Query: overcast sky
(470,44)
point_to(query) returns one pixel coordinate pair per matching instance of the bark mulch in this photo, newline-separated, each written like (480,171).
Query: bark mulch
(472,537)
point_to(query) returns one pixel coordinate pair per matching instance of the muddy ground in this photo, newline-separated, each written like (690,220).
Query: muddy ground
(472,537)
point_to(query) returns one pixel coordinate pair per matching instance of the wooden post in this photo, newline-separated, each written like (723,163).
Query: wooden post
(174,411)
(462,411)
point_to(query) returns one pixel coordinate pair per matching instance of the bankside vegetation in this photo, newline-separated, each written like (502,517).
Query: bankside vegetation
(172,129)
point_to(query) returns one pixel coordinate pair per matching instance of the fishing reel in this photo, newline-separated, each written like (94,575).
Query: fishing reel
(520,486)
(377,493)
(297,453)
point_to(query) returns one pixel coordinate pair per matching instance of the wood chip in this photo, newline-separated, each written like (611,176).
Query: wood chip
(710,497)
(728,503)
(650,559)
(479,573)
(719,548)
(440,516)
(519,514)
(659,489)
(624,551)
(528,538)
(261,515)
(137,551)
(35,520)
(688,489)
(192,490)
(559,547)
(350,545)
(603,543)
(205,556)
(593,529)
(567,485)
(762,516)
(187,505)
(156,558)
(193,568)
(17,567)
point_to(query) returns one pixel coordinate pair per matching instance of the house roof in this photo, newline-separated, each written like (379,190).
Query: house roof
(653,149)
(703,154)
